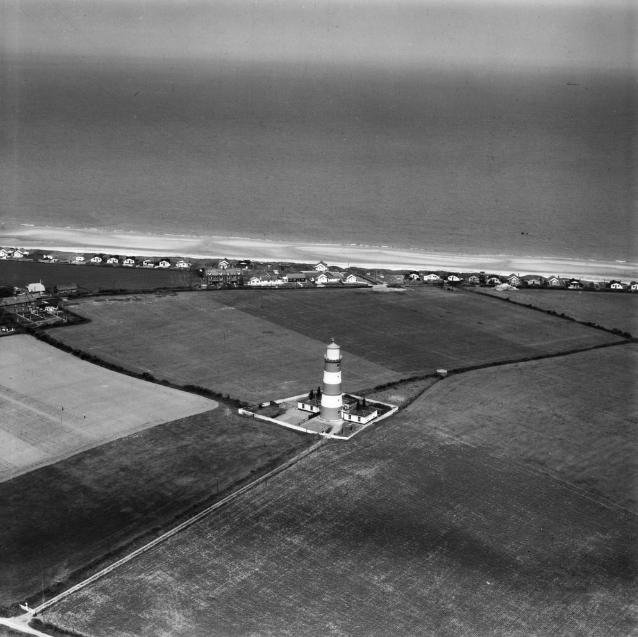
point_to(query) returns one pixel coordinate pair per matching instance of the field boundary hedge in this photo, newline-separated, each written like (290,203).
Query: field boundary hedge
(611,330)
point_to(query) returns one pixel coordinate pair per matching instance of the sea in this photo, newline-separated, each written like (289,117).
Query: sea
(534,162)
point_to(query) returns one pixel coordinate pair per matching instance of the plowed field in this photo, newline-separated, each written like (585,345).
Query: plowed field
(399,532)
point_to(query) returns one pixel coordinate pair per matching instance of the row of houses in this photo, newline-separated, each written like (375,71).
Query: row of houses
(513,280)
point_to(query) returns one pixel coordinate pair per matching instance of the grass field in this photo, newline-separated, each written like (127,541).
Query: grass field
(89,277)
(402,531)
(574,417)
(53,405)
(420,330)
(63,517)
(192,338)
(607,309)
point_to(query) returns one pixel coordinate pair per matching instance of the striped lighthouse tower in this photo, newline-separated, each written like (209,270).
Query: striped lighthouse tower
(331,397)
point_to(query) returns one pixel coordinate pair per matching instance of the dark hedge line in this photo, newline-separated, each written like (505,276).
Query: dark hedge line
(96,360)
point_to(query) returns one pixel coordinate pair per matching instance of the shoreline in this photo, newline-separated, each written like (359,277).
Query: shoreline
(374,257)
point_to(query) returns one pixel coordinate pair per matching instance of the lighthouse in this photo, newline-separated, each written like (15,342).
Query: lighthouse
(331,395)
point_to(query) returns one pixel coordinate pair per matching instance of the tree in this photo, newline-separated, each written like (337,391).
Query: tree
(364,404)
(318,392)
(311,395)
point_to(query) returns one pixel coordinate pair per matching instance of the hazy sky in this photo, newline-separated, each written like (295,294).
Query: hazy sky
(502,33)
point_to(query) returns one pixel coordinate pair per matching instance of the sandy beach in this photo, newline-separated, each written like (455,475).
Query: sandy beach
(90,240)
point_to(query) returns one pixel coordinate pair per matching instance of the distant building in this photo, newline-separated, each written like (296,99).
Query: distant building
(19,303)
(223,264)
(129,262)
(616,285)
(95,259)
(35,288)
(112,261)
(182,264)
(164,263)
(66,288)
(431,277)
(322,266)
(222,276)
(514,280)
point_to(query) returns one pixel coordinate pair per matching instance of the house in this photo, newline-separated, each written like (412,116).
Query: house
(413,277)
(454,278)
(5,252)
(18,304)
(322,266)
(182,264)
(616,285)
(555,282)
(353,279)
(244,265)
(265,279)
(112,261)
(66,288)
(96,259)
(431,277)
(533,280)
(129,262)
(223,264)
(474,279)
(329,277)
(164,263)
(360,413)
(296,277)
(36,288)
(78,259)
(574,284)
(633,286)
(147,263)
(514,280)
(493,280)
(20,254)
(311,403)
(222,276)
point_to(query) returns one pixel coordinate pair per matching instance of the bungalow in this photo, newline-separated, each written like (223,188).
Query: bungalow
(413,277)
(5,252)
(311,403)
(96,259)
(474,279)
(129,262)
(533,280)
(296,277)
(493,280)
(514,280)
(78,259)
(244,265)
(350,279)
(223,264)
(322,266)
(222,276)
(164,263)
(633,286)
(431,278)
(360,413)
(329,277)
(616,285)
(454,278)
(574,284)
(147,263)
(66,288)
(182,264)
(265,279)
(19,254)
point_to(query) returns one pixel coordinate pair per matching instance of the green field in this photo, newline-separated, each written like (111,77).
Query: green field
(574,417)
(53,405)
(259,345)
(401,531)
(420,330)
(61,518)
(613,310)
(192,338)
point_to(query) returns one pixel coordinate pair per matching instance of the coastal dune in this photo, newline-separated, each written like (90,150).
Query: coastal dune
(117,242)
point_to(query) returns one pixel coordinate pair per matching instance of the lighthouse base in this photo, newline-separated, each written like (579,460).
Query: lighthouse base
(335,425)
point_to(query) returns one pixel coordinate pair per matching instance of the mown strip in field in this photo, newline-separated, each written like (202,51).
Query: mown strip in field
(421,329)
(401,531)
(61,519)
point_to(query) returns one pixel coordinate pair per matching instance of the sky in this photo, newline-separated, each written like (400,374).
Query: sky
(499,33)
